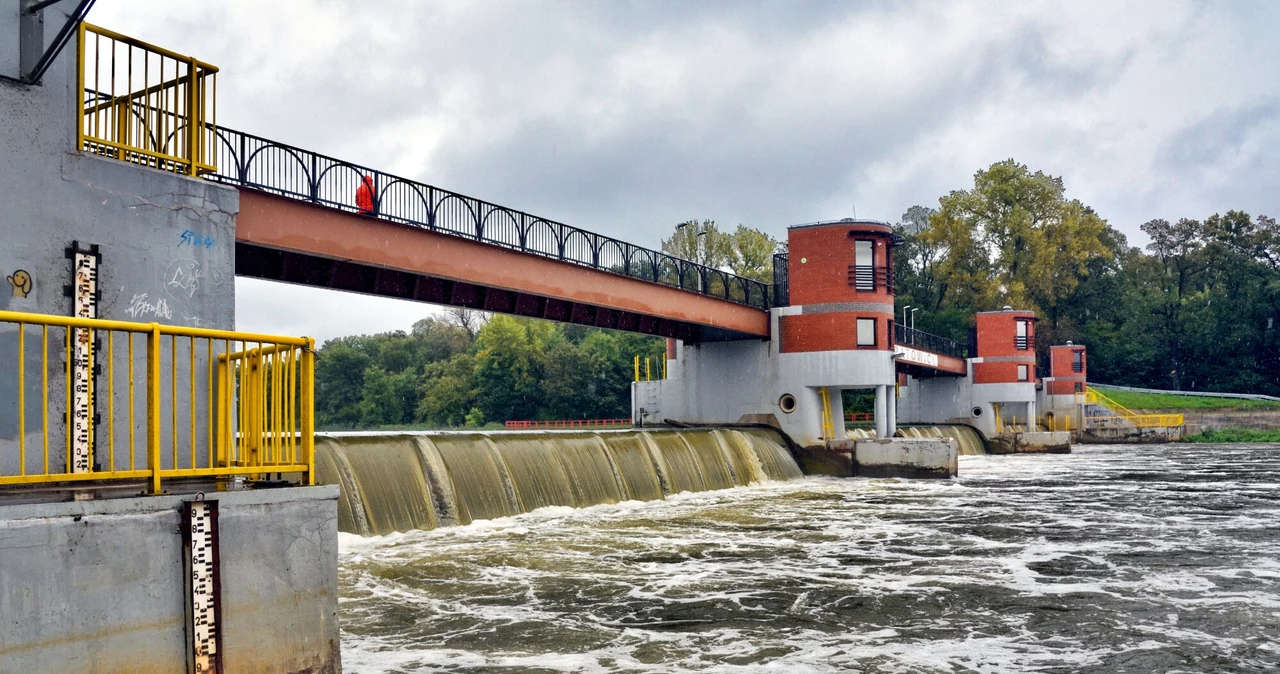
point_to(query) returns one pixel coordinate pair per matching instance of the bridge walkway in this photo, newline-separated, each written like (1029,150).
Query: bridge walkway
(299,223)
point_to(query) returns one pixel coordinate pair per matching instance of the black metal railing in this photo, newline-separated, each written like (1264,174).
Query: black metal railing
(781,281)
(246,160)
(869,278)
(918,338)
(1024,342)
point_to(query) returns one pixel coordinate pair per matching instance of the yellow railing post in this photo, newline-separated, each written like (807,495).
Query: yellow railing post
(308,409)
(251,399)
(219,450)
(153,407)
(193,119)
(637,368)
(80,86)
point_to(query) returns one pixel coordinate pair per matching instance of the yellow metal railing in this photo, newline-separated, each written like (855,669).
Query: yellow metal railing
(145,104)
(650,369)
(162,402)
(1123,416)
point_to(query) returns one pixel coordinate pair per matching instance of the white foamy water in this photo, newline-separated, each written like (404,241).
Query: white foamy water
(1112,559)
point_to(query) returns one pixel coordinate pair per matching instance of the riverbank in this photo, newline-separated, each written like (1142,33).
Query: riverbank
(1235,435)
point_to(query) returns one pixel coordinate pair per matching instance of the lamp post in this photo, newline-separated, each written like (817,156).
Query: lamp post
(904,314)
(913,317)
(698,256)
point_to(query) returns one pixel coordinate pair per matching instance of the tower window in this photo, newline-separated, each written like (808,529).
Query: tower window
(866,332)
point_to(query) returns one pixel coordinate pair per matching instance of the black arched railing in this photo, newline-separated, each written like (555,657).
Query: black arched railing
(246,160)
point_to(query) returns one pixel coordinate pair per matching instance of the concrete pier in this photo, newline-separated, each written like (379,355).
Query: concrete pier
(883,457)
(98,586)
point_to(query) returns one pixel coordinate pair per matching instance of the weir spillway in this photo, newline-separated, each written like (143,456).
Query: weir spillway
(403,481)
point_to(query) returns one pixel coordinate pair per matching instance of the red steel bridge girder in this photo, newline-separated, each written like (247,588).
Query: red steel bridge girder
(283,239)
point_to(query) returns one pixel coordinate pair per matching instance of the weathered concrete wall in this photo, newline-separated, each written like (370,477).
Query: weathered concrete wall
(97,586)
(1199,420)
(906,457)
(1040,442)
(167,244)
(9,40)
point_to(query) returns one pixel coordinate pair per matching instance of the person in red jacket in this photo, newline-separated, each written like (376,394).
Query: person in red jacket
(365,195)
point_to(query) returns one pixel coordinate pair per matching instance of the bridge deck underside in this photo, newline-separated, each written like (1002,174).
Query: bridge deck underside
(285,240)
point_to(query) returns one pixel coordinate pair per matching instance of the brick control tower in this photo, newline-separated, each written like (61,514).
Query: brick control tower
(1004,369)
(841,291)
(1063,396)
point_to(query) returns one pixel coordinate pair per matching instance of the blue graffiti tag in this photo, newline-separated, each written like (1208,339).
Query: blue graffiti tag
(190,238)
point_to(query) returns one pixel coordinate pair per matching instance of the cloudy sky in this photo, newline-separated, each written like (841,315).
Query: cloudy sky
(628,117)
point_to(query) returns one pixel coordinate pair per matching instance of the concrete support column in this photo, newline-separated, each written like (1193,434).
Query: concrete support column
(1032,424)
(891,408)
(882,415)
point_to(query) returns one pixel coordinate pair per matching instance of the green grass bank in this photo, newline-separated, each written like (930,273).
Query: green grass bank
(1235,435)
(1166,402)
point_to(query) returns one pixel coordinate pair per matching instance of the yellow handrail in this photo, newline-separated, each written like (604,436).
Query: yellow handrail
(245,405)
(145,104)
(1121,414)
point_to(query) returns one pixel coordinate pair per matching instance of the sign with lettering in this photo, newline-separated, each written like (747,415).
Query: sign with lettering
(916,356)
(84,304)
(200,528)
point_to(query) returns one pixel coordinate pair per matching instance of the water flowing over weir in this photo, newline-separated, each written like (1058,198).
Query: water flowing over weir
(402,481)
(966,437)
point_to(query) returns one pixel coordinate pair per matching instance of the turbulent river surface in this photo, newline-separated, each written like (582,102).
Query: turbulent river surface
(1111,559)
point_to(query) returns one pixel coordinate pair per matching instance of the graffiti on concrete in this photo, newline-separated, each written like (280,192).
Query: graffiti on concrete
(190,238)
(182,278)
(142,307)
(21,282)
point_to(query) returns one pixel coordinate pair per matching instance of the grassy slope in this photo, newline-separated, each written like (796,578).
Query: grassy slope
(1235,435)
(1164,401)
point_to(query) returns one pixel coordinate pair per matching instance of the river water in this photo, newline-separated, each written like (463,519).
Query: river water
(1111,559)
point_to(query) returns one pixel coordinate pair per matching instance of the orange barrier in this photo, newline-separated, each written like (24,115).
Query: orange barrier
(862,416)
(570,423)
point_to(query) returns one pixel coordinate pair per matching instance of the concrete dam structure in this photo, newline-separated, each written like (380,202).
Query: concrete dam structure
(403,481)
(164,497)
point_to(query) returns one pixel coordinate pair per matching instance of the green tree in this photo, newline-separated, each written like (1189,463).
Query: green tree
(752,253)
(339,381)
(1013,239)
(510,366)
(700,242)
(447,391)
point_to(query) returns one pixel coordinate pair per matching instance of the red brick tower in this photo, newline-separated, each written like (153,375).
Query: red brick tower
(1067,370)
(841,275)
(1006,347)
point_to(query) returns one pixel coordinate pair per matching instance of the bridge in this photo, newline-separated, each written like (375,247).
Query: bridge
(299,223)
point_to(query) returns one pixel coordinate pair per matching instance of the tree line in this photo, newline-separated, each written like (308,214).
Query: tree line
(1197,308)
(466,369)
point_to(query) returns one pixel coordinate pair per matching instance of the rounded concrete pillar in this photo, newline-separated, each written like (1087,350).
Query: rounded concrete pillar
(891,409)
(882,414)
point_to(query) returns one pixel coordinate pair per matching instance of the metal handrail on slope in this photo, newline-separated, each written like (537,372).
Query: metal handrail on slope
(144,401)
(1121,415)
(246,160)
